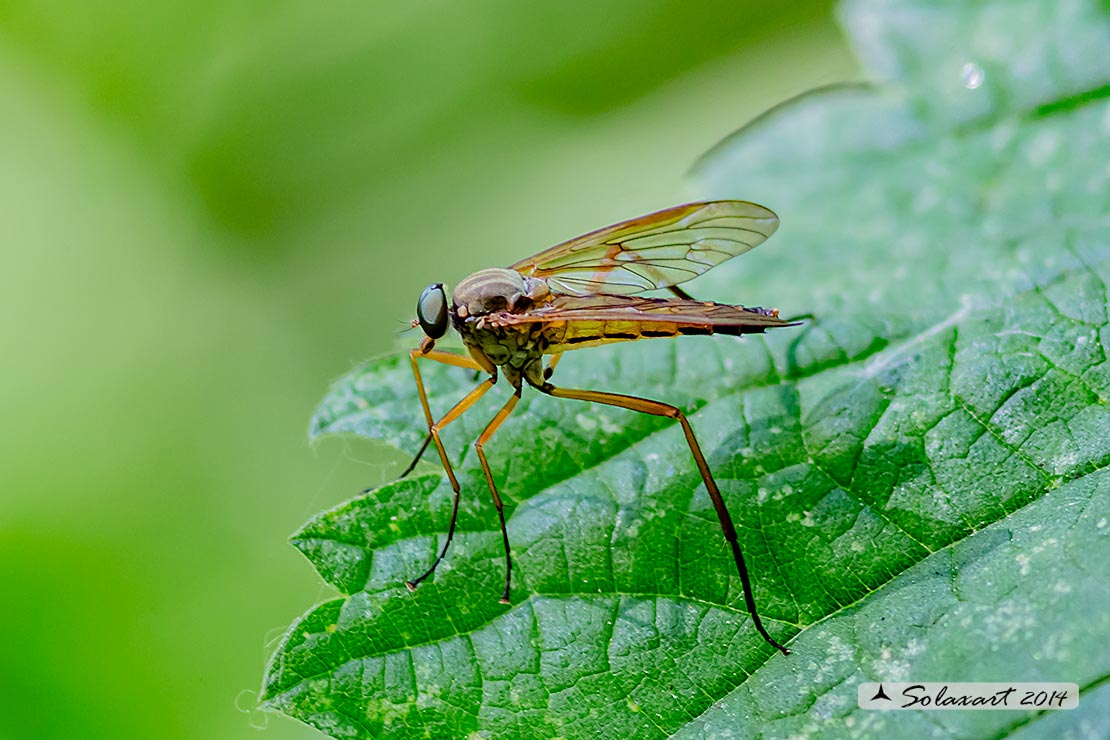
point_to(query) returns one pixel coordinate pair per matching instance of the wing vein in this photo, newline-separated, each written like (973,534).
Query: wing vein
(653,251)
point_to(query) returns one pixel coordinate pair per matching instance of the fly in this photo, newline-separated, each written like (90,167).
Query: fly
(583,293)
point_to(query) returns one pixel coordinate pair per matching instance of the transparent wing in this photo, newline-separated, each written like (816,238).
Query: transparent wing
(653,251)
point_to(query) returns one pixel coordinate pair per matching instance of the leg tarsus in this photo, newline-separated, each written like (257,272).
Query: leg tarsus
(508,557)
(443,552)
(420,454)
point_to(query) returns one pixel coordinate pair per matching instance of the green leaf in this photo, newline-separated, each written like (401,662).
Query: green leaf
(918,474)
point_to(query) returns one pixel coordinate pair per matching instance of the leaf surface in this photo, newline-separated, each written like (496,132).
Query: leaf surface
(918,474)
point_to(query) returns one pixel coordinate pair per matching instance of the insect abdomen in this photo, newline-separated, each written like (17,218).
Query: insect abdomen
(564,336)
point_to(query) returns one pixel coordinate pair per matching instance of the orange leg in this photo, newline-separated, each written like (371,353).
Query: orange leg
(434,429)
(447,358)
(547,371)
(657,408)
(485,436)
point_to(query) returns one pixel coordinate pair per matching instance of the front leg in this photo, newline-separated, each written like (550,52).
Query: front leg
(447,358)
(434,428)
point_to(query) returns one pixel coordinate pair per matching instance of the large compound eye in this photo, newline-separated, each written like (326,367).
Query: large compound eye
(431,311)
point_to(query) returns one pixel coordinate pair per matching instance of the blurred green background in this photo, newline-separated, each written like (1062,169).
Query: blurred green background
(212,209)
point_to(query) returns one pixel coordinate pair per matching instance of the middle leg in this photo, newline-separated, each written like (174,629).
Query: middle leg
(485,437)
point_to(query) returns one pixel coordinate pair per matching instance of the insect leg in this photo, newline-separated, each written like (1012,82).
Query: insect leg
(547,371)
(681,293)
(419,454)
(485,436)
(447,358)
(658,408)
(433,431)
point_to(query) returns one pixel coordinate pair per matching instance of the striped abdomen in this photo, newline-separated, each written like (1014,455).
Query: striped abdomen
(573,322)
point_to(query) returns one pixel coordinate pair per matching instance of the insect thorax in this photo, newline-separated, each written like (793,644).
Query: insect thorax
(518,348)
